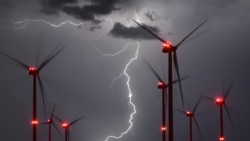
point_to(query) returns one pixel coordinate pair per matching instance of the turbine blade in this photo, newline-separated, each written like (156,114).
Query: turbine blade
(229,116)
(159,78)
(149,31)
(197,126)
(73,122)
(190,33)
(58,118)
(53,111)
(21,64)
(178,76)
(58,131)
(209,98)
(196,105)
(228,90)
(154,72)
(175,81)
(199,34)
(42,93)
(49,59)
(181,111)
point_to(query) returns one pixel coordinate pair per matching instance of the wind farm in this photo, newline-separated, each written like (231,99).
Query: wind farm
(35,74)
(172,55)
(162,86)
(50,122)
(122,64)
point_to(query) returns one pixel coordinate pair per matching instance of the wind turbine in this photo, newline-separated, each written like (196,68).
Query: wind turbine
(172,55)
(191,115)
(34,72)
(163,86)
(50,122)
(221,102)
(67,125)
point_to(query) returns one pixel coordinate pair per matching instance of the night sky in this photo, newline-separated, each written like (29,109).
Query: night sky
(103,55)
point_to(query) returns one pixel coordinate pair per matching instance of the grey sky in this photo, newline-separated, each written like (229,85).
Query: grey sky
(79,79)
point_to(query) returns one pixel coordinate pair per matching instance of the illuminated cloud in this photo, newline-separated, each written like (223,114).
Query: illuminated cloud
(121,31)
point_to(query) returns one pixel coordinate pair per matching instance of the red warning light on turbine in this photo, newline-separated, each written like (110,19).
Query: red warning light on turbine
(32,70)
(167,47)
(34,122)
(160,85)
(219,100)
(65,125)
(221,139)
(163,128)
(168,44)
(188,113)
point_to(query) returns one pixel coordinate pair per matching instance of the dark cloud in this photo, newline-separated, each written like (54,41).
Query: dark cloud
(79,13)
(107,2)
(89,12)
(53,6)
(121,31)
(57,3)
(86,13)
(100,9)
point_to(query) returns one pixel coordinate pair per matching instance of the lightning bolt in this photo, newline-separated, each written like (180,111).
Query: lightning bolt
(130,94)
(112,55)
(24,23)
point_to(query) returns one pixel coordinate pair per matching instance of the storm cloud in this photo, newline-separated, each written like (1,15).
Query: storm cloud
(54,6)
(86,12)
(79,80)
(121,31)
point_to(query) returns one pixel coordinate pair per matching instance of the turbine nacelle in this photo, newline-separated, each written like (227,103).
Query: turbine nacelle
(168,47)
(32,70)
(189,113)
(219,101)
(161,85)
(65,125)
(49,121)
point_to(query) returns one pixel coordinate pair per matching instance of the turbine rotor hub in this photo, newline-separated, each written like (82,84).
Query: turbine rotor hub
(189,114)
(168,47)
(161,85)
(33,70)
